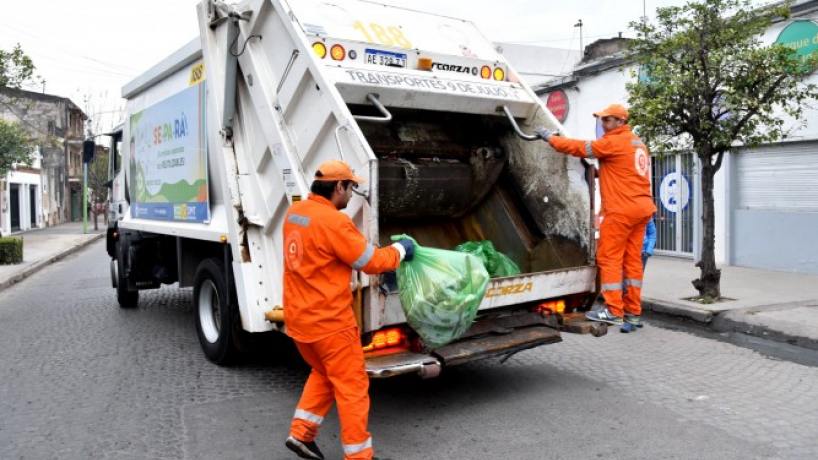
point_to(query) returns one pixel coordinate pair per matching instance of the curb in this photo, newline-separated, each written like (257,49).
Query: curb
(732,322)
(729,321)
(675,309)
(37,266)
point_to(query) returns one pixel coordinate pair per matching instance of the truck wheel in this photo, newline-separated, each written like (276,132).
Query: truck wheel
(216,313)
(126,298)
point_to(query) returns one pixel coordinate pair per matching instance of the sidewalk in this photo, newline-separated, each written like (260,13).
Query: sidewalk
(45,246)
(776,305)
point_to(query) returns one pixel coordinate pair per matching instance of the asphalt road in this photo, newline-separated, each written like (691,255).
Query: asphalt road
(80,378)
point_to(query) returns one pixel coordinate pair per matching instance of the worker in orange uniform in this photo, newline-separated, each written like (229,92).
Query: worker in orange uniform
(627,206)
(321,248)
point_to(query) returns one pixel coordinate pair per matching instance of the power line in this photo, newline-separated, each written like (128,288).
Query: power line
(52,44)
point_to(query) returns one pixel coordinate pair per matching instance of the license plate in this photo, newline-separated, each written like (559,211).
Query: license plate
(385,58)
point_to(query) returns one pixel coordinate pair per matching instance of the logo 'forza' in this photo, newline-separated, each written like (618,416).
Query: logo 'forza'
(455,68)
(509,290)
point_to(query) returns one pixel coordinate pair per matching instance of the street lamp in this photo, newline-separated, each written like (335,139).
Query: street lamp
(581,49)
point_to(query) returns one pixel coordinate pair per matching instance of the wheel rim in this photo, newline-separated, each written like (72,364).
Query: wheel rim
(209,311)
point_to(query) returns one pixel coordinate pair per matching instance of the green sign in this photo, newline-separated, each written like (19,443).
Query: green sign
(801,37)
(168,168)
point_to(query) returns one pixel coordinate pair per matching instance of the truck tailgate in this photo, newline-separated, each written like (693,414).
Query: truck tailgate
(514,290)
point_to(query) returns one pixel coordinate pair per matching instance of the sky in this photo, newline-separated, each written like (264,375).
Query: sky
(87,50)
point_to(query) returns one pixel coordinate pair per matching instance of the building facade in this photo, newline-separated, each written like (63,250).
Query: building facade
(766,198)
(49,191)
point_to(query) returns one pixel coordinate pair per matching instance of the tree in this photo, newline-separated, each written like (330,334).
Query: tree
(14,146)
(98,184)
(16,68)
(711,85)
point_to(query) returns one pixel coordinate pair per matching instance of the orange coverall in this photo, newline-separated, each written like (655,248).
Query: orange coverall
(627,204)
(321,248)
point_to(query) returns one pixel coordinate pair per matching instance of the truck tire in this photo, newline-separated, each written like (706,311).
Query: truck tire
(216,313)
(126,298)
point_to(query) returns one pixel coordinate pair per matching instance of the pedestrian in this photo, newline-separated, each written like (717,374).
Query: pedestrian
(321,248)
(647,251)
(627,204)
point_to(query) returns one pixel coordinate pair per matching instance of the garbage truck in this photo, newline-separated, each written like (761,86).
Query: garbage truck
(221,137)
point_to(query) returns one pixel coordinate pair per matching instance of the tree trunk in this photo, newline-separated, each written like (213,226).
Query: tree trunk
(709,282)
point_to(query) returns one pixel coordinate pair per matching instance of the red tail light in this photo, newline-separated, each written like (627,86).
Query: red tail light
(393,337)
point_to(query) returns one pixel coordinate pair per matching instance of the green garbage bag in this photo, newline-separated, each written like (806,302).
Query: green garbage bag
(440,292)
(497,263)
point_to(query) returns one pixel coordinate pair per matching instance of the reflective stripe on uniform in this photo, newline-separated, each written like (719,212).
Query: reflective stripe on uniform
(303,221)
(365,257)
(308,416)
(351,449)
(612,287)
(637,143)
(632,282)
(589,151)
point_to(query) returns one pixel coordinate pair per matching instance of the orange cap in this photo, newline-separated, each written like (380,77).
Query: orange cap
(613,110)
(336,170)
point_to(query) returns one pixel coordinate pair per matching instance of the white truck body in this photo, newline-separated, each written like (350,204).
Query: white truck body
(274,109)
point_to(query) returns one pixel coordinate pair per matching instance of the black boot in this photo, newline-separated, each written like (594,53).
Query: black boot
(304,449)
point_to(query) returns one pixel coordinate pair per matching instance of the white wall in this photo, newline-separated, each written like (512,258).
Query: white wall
(590,95)
(721,204)
(807,127)
(25,181)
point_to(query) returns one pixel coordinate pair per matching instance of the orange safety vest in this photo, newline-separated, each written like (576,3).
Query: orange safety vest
(321,248)
(624,169)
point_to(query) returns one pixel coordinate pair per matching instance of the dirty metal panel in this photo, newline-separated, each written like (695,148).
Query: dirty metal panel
(504,324)
(494,345)
(552,186)
(515,290)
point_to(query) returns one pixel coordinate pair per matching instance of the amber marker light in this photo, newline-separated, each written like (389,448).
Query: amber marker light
(485,72)
(337,52)
(424,63)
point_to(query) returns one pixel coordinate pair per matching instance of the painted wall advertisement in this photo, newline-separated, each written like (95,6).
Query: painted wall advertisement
(168,165)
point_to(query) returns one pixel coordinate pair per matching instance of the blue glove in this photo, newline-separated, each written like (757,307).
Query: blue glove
(544,134)
(409,247)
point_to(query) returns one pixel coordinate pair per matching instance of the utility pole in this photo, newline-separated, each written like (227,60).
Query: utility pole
(581,48)
(644,12)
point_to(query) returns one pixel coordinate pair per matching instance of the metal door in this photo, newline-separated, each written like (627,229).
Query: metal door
(14,202)
(32,193)
(673,193)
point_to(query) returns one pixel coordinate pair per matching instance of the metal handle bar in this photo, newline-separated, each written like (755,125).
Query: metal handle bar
(528,137)
(373,98)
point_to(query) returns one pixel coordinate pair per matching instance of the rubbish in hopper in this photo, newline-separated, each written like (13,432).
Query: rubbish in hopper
(497,263)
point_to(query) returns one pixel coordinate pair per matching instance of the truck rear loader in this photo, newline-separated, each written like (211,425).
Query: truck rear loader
(223,135)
